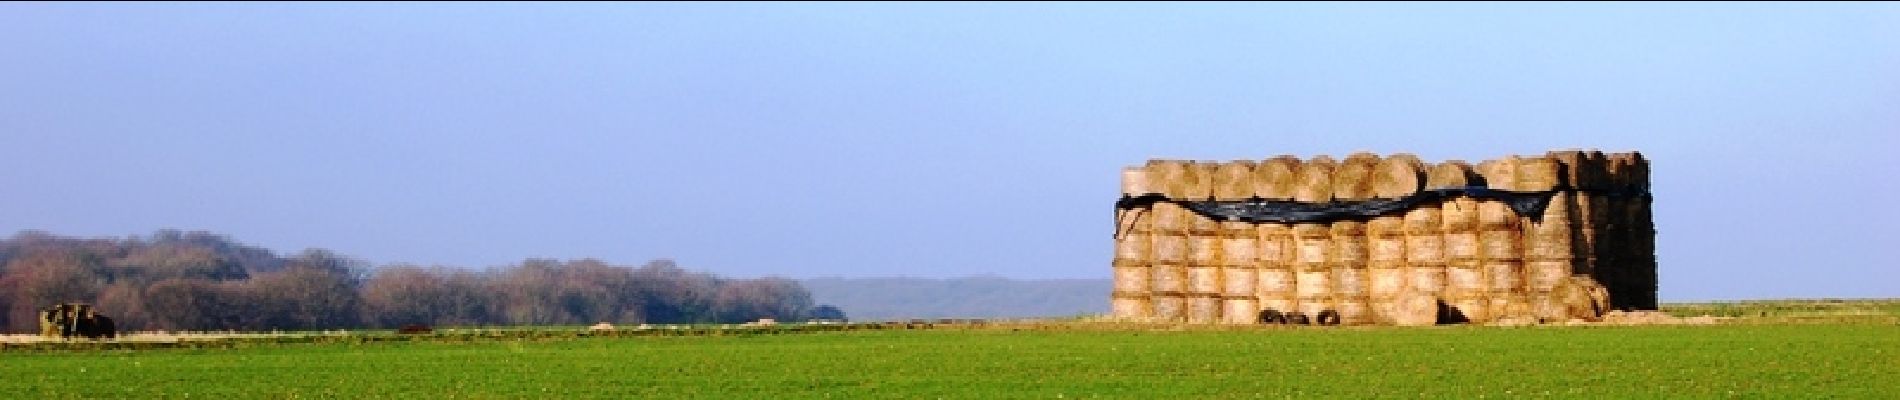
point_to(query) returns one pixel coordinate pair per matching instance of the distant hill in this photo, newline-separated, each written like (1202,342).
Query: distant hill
(975,297)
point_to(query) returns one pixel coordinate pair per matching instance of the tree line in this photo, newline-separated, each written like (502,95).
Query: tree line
(174,280)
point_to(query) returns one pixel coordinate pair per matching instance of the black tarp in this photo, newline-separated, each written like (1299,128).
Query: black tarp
(1526,204)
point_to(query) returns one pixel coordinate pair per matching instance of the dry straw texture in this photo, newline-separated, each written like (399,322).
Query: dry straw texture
(1398,176)
(1277,178)
(1314,180)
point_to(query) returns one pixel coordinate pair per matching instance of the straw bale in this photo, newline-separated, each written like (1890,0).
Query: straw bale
(1312,244)
(1387,249)
(1167,278)
(1458,215)
(1274,282)
(1130,306)
(1449,174)
(1276,244)
(1314,180)
(1277,178)
(1239,244)
(1462,245)
(1510,305)
(1350,281)
(1537,174)
(1413,308)
(1500,174)
(1169,306)
(1352,180)
(1204,249)
(1398,176)
(1198,184)
(1426,278)
(1239,280)
(1384,283)
(1545,275)
(1234,180)
(1462,276)
(1132,246)
(1349,244)
(1424,220)
(1312,306)
(1500,245)
(1132,276)
(1203,279)
(1240,310)
(1312,283)
(1203,309)
(1547,307)
(1168,248)
(1170,176)
(1496,215)
(1425,249)
(1135,182)
(1503,276)
(1354,310)
(1169,217)
(1470,307)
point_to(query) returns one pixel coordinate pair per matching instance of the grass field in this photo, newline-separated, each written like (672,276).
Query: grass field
(1844,360)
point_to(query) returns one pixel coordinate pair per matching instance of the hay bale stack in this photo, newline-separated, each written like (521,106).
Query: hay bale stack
(1313,278)
(1277,178)
(1450,174)
(1425,250)
(1204,246)
(1234,181)
(1350,267)
(1274,272)
(1168,243)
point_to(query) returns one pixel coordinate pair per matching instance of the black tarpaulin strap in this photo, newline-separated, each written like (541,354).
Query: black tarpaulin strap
(1525,204)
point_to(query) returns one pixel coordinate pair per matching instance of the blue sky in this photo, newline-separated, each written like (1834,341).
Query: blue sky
(930,140)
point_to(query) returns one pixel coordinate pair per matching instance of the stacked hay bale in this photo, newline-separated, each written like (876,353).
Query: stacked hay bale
(1234,181)
(1204,246)
(1464,277)
(1276,179)
(1130,299)
(1500,243)
(1389,272)
(1313,277)
(1350,263)
(1588,250)
(1169,243)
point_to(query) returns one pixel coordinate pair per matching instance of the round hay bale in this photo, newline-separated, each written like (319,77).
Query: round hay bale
(1349,244)
(1135,182)
(1240,243)
(1425,249)
(1500,174)
(1424,220)
(1277,178)
(1203,309)
(1132,276)
(1538,174)
(1204,248)
(1510,305)
(1314,180)
(1426,278)
(1198,184)
(1170,278)
(1414,308)
(1234,181)
(1169,218)
(1398,176)
(1352,179)
(1239,310)
(1313,244)
(1449,174)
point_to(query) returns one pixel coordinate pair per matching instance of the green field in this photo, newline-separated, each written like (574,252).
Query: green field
(1846,360)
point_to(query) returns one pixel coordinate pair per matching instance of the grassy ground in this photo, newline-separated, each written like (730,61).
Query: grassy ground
(1846,360)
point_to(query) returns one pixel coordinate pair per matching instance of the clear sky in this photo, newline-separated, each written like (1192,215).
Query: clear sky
(931,140)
